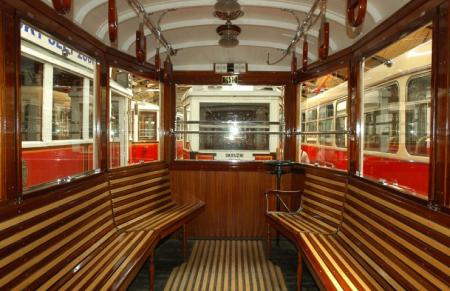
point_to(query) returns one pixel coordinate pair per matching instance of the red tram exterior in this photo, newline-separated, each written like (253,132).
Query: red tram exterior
(58,113)
(396,137)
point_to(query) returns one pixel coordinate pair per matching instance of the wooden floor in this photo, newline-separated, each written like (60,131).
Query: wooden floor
(169,266)
(227,265)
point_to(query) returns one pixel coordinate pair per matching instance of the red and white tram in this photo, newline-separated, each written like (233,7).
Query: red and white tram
(396,108)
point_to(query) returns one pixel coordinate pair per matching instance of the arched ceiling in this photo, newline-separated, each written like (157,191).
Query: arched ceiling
(191,29)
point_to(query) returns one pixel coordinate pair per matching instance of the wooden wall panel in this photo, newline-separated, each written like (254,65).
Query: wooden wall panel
(235,201)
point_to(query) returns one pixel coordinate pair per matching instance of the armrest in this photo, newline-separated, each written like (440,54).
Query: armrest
(277,194)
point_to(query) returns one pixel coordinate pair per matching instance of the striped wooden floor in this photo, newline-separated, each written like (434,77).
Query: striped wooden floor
(226,265)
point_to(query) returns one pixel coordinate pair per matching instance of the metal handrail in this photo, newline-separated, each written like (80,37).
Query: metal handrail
(277,194)
(155,30)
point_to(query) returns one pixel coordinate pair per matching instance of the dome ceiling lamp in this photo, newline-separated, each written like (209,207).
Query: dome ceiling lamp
(228,35)
(228,10)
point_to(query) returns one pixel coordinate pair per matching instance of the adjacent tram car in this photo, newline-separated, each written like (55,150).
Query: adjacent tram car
(134,121)
(230,123)
(397,120)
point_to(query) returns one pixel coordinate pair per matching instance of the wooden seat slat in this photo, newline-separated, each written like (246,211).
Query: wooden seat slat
(322,204)
(142,200)
(381,242)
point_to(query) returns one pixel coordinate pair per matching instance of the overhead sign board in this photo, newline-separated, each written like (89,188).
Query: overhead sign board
(229,80)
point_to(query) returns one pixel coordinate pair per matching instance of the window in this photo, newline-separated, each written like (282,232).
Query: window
(67,121)
(418,115)
(147,125)
(396,106)
(311,125)
(323,121)
(229,122)
(381,119)
(57,110)
(326,118)
(134,119)
(242,121)
(31,78)
(341,123)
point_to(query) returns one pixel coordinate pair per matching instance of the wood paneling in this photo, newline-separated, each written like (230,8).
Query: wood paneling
(9,55)
(235,200)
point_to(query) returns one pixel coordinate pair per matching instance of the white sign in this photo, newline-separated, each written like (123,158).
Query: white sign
(45,41)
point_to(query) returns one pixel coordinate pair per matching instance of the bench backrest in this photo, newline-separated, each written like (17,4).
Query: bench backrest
(139,191)
(404,245)
(323,197)
(38,238)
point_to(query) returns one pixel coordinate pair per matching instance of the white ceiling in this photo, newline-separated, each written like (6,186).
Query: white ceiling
(191,29)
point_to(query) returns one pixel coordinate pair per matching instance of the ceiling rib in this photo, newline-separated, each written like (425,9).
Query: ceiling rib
(155,8)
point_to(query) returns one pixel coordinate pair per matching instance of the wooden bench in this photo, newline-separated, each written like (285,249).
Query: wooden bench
(67,240)
(382,243)
(322,202)
(142,201)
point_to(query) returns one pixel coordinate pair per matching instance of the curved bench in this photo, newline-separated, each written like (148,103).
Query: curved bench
(68,240)
(141,200)
(383,242)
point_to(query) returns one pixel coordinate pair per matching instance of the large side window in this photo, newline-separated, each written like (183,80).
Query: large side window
(57,87)
(134,119)
(396,110)
(323,119)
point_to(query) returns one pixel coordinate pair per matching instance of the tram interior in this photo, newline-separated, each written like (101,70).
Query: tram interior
(224,145)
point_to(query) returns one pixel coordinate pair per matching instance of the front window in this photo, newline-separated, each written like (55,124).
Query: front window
(229,123)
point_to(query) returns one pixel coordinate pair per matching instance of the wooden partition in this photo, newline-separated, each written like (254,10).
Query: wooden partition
(235,200)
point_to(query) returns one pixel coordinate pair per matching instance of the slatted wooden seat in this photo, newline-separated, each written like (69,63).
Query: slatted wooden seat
(141,199)
(382,244)
(321,207)
(69,243)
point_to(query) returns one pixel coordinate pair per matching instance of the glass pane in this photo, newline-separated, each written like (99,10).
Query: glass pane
(381,112)
(67,121)
(31,77)
(418,115)
(134,119)
(323,109)
(229,122)
(58,106)
(396,111)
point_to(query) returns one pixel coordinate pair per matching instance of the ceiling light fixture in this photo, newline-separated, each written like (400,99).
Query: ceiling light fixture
(228,35)
(227,6)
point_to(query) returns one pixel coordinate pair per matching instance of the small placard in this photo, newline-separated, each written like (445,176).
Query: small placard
(228,80)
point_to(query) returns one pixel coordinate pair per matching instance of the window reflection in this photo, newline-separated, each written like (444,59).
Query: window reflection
(396,111)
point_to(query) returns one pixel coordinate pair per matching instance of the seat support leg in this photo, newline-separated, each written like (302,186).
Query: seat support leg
(184,242)
(151,272)
(269,241)
(299,271)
